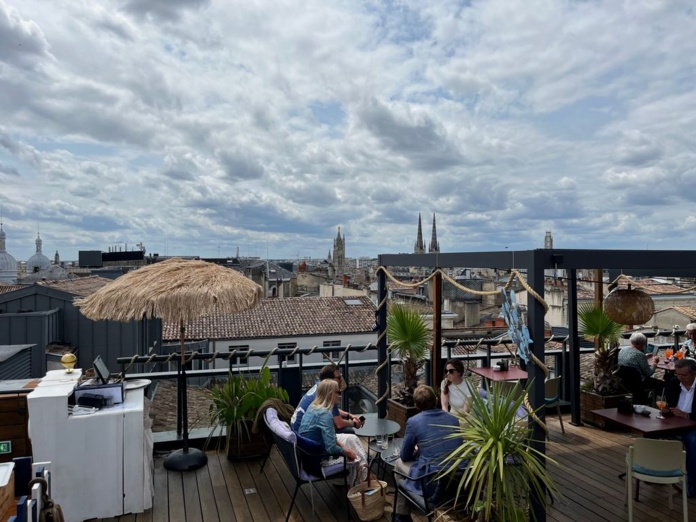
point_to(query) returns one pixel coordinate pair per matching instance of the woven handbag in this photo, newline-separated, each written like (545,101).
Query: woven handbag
(368,497)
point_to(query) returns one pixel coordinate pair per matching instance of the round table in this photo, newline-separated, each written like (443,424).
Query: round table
(374,426)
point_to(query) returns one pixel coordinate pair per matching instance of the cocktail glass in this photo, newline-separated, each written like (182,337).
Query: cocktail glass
(661,404)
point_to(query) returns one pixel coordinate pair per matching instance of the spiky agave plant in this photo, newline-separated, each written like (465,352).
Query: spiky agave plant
(496,469)
(594,324)
(408,336)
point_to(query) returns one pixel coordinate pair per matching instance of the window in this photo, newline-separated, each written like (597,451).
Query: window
(290,359)
(335,355)
(240,362)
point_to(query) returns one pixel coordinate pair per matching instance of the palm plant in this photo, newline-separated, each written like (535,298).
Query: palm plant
(496,468)
(408,337)
(595,325)
(235,403)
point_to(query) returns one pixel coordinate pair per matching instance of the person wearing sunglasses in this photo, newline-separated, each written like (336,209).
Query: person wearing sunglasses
(680,394)
(454,391)
(343,420)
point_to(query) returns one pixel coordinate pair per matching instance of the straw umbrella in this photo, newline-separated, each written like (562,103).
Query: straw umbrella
(178,291)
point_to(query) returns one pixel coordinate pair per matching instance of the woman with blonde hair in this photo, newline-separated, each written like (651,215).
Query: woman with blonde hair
(317,425)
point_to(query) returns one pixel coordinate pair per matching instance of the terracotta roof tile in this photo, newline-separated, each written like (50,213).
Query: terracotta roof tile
(286,317)
(10,288)
(652,286)
(80,286)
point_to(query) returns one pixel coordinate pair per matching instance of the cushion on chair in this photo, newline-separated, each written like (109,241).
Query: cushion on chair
(279,427)
(657,472)
(311,459)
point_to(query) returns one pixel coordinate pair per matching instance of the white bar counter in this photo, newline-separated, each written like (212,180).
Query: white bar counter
(99,462)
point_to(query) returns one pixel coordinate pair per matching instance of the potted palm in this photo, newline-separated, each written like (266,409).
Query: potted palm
(605,389)
(497,470)
(408,337)
(234,406)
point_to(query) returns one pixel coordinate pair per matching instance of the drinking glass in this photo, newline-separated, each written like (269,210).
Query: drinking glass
(661,404)
(385,441)
(378,439)
(397,448)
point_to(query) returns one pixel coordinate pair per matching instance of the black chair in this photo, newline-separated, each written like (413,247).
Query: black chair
(427,504)
(630,378)
(298,460)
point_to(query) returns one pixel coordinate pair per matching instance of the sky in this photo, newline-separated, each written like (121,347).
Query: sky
(199,127)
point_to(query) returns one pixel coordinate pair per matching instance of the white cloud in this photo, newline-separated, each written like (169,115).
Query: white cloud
(191,125)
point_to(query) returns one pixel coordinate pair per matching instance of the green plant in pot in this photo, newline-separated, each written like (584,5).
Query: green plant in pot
(234,406)
(408,337)
(496,470)
(595,325)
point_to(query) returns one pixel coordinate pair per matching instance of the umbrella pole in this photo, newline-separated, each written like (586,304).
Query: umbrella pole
(185,459)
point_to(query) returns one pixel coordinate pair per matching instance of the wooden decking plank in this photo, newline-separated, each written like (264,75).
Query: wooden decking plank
(591,460)
(209,510)
(279,488)
(175,488)
(160,502)
(192,497)
(266,492)
(256,504)
(234,488)
(223,501)
(303,501)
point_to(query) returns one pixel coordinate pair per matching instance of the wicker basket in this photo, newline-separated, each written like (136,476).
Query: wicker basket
(368,498)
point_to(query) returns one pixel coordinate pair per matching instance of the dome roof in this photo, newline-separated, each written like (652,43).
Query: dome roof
(38,261)
(8,264)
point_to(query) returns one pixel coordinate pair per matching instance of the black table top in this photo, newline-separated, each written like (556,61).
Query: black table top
(374,426)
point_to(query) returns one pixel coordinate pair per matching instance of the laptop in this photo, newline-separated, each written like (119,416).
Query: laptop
(101,370)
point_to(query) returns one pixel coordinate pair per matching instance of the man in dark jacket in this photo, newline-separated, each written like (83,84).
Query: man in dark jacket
(680,396)
(425,445)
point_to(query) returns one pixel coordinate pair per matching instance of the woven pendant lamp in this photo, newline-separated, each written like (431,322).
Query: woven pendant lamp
(628,306)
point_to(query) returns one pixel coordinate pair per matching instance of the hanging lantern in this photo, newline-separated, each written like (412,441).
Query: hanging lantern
(628,306)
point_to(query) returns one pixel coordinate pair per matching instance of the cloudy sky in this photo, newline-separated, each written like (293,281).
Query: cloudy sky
(203,126)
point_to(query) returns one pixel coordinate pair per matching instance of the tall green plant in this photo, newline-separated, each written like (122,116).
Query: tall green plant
(595,325)
(236,402)
(497,468)
(408,337)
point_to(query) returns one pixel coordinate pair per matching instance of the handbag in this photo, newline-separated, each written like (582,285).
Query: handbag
(50,511)
(368,497)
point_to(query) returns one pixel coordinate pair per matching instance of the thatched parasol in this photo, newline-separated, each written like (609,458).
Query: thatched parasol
(175,290)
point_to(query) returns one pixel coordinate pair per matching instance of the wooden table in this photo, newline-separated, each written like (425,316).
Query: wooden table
(665,365)
(513,373)
(650,427)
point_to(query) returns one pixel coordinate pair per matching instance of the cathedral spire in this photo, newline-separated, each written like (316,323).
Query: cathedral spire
(434,245)
(419,247)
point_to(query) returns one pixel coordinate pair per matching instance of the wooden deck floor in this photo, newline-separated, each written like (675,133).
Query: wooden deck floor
(590,461)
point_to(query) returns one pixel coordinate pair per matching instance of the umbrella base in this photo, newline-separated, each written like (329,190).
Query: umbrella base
(189,461)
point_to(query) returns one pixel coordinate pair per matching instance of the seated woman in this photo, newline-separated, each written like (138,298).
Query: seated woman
(633,356)
(454,392)
(318,425)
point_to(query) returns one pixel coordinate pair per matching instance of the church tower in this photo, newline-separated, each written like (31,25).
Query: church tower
(419,247)
(548,240)
(339,253)
(434,245)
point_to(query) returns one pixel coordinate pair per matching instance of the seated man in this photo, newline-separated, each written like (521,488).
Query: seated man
(425,444)
(680,399)
(343,421)
(633,356)
(688,349)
